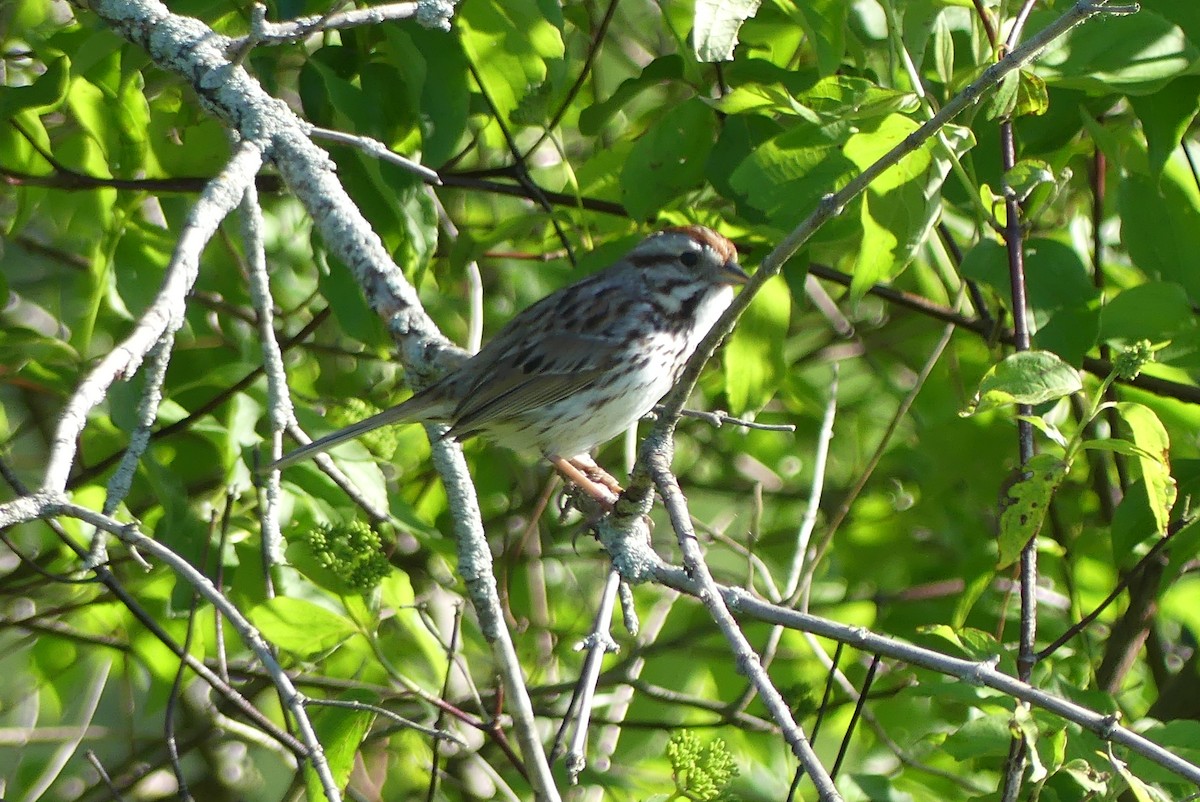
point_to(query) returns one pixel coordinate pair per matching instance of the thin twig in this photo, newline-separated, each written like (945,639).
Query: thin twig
(598,643)
(280,412)
(375,148)
(396,718)
(429,14)
(719,418)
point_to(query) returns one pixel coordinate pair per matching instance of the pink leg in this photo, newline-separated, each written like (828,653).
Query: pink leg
(603,488)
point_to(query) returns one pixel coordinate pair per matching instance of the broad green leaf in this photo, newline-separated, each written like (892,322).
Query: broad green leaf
(943,51)
(1154,309)
(1025,726)
(131,113)
(445,94)
(1059,291)
(1032,96)
(786,175)
(1003,99)
(300,626)
(345,298)
(1138,789)
(1047,428)
(741,135)
(1151,438)
(340,731)
(844,97)
(1026,377)
(91,109)
(762,99)
(1133,521)
(669,159)
(753,356)
(900,207)
(664,68)
(1019,93)
(986,736)
(329,94)
(1096,58)
(974,588)
(715,30)
(920,18)
(1026,505)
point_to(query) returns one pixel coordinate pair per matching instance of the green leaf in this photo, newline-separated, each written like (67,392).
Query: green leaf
(845,97)
(669,159)
(300,626)
(786,175)
(753,357)
(1026,505)
(345,298)
(1032,95)
(1027,175)
(943,50)
(1138,789)
(900,207)
(664,68)
(1097,58)
(1152,310)
(1003,99)
(1154,445)
(1133,522)
(1059,290)
(987,736)
(1026,377)
(340,731)
(715,30)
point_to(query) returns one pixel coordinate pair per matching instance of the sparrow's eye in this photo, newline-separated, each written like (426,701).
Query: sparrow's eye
(689,258)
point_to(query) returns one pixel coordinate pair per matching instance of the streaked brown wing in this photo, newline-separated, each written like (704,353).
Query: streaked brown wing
(527,378)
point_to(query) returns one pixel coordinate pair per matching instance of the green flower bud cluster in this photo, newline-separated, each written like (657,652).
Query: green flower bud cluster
(1129,363)
(702,772)
(351,553)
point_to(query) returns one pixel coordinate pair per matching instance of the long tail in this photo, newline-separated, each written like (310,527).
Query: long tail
(401,413)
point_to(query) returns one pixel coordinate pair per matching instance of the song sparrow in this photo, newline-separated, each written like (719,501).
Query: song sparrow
(582,364)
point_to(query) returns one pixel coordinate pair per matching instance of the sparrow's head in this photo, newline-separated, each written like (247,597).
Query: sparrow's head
(694,253)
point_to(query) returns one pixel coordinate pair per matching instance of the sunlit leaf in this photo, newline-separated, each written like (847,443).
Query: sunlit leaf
(715,34)
(1026,377)
(300,626)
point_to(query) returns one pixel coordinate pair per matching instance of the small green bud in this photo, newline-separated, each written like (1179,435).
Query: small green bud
(701,772)
(346,558)
(1129,363)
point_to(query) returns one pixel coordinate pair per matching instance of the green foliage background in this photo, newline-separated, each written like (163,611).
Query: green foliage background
(563,134)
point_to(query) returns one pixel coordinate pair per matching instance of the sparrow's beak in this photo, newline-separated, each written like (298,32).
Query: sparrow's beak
(733,273)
